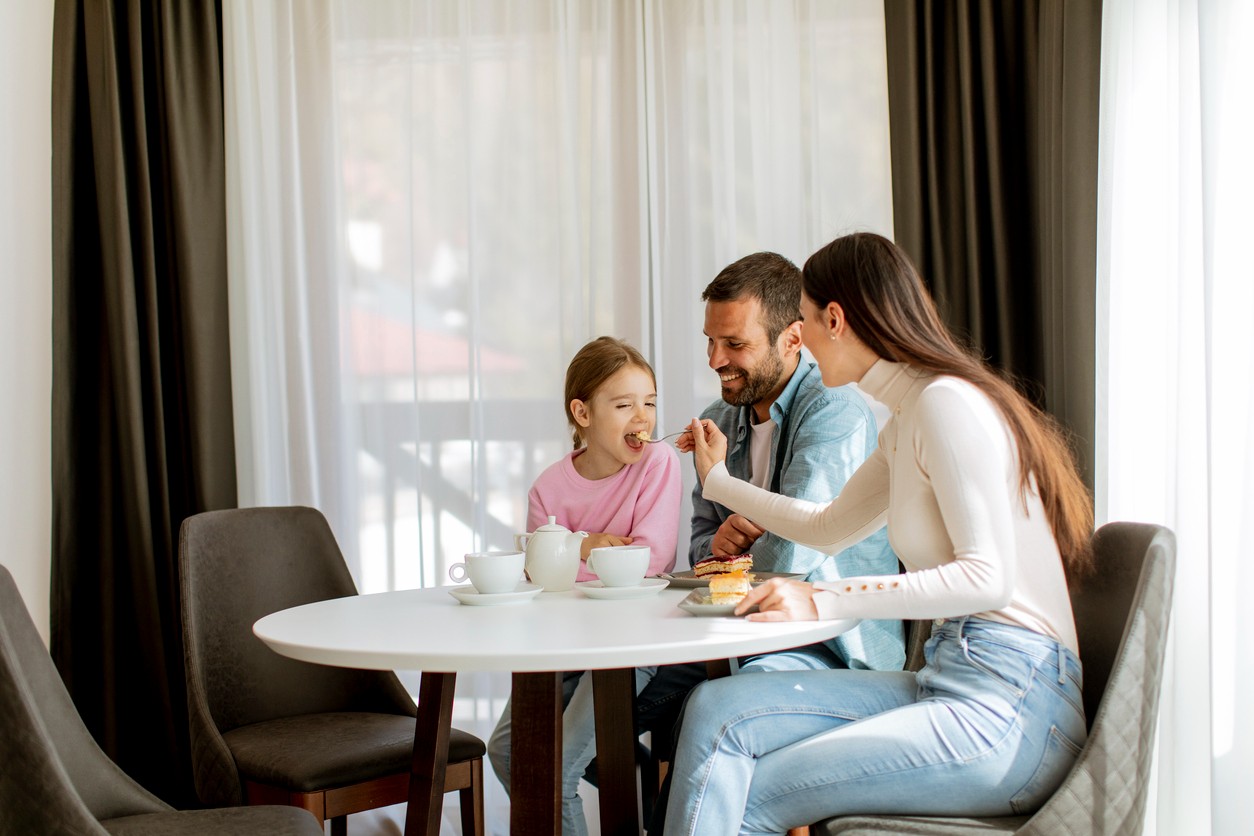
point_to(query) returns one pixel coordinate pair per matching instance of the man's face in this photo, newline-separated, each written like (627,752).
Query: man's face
(749,366)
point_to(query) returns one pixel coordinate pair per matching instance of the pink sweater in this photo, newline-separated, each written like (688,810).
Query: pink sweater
(640,501)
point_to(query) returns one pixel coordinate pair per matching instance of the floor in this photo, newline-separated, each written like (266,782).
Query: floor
(390,821)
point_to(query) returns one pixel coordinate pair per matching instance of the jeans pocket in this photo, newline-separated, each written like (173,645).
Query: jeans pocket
(1056,761)
(1008,668)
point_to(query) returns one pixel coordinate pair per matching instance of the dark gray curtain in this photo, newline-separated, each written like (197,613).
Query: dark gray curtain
(993,107)
(141,404)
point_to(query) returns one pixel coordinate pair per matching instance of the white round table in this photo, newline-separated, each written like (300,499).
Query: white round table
(428,630)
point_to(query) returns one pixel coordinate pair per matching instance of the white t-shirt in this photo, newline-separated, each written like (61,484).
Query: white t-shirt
(945,480)
(760,453)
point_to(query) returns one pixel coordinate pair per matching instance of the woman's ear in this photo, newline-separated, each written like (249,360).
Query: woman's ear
(834,316)
(579,411)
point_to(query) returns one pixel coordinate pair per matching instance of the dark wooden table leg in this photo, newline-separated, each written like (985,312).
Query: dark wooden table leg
(535,769)
(614,699)
(426,775)
(717,668)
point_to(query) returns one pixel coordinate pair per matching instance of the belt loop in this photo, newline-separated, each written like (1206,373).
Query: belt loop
(1062,665)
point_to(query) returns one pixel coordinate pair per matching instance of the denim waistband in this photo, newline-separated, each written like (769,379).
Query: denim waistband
(1025,641)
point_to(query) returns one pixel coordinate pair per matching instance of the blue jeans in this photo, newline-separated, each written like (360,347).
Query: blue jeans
(989,727)
(810,657)
(578,743)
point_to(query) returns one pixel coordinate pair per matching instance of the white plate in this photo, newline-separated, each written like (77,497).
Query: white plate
(470,596)
(689,579)
(647,587)
(698,603)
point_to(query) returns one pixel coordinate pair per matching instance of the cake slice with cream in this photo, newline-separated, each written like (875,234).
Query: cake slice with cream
(728,588)
(718,564)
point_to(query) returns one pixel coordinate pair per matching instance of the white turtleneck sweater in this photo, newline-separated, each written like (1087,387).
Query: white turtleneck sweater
(945,479)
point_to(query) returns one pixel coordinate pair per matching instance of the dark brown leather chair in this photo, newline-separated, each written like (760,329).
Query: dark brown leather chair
(55,779)
(1121,615)
(917,634)
(267,729)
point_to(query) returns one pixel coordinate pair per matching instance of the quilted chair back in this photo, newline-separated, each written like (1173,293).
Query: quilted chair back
(237,566)
(1121,613)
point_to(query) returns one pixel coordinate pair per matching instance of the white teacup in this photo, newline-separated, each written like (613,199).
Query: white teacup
(619,565)
(490,572)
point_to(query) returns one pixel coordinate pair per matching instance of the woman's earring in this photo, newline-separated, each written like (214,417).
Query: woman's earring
(831,336)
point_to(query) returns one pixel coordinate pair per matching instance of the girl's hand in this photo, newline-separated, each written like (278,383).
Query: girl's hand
(707,444)
(596,541)
(780,600)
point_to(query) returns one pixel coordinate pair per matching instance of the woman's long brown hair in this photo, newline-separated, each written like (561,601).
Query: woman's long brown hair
(889,309)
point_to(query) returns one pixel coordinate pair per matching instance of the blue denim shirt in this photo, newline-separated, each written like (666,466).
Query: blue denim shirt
(820,438)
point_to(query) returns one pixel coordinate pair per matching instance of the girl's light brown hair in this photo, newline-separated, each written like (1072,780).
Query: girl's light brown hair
(890,310)
(594,364)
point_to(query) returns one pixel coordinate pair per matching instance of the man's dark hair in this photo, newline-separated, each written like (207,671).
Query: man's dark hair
(768,277)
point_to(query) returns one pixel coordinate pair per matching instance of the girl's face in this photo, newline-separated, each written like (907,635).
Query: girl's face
(623,405)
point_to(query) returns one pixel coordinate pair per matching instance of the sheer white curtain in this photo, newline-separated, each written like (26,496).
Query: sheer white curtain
(433,205)
(1176,367)
(769,131)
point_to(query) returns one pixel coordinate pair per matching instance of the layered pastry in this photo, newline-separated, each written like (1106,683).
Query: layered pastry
(728,588)
(718,564)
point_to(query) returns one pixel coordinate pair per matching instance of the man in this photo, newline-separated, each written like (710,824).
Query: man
(790,434)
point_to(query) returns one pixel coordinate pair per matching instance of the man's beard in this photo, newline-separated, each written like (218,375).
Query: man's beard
(758,382)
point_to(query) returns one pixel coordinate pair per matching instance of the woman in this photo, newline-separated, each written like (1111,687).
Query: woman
(986,511)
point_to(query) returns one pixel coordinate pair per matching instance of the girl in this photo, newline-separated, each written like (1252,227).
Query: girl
(622,491)
(985,509)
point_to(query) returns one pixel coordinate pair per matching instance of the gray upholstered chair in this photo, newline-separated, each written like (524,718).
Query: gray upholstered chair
(267,729)
(1121,615)
(55,779)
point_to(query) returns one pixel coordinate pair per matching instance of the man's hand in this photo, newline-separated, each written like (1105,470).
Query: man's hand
(707,444)
(596,541)
(736,535)
(780,600)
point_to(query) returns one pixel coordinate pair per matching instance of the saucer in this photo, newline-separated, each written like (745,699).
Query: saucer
(698,603)
(647,587)
(472,597)
(689,579)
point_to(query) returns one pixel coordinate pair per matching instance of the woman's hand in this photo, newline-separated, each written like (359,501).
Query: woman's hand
(707,444)
(780,600)
(596,541)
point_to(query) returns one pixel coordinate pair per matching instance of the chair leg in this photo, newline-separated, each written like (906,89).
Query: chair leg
(648,786)
(339,826)
(471,799)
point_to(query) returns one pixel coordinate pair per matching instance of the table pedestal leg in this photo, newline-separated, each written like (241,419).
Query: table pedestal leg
(614,700)
(535,771)
(431,733)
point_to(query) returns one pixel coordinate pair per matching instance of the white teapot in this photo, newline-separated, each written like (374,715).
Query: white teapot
(552,555)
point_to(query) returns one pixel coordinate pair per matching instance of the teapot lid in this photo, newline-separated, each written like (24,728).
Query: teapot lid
(552,525)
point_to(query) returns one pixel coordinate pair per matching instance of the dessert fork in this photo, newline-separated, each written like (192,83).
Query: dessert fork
(663,438)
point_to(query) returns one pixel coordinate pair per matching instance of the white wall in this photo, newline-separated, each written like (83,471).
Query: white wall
(26,298)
